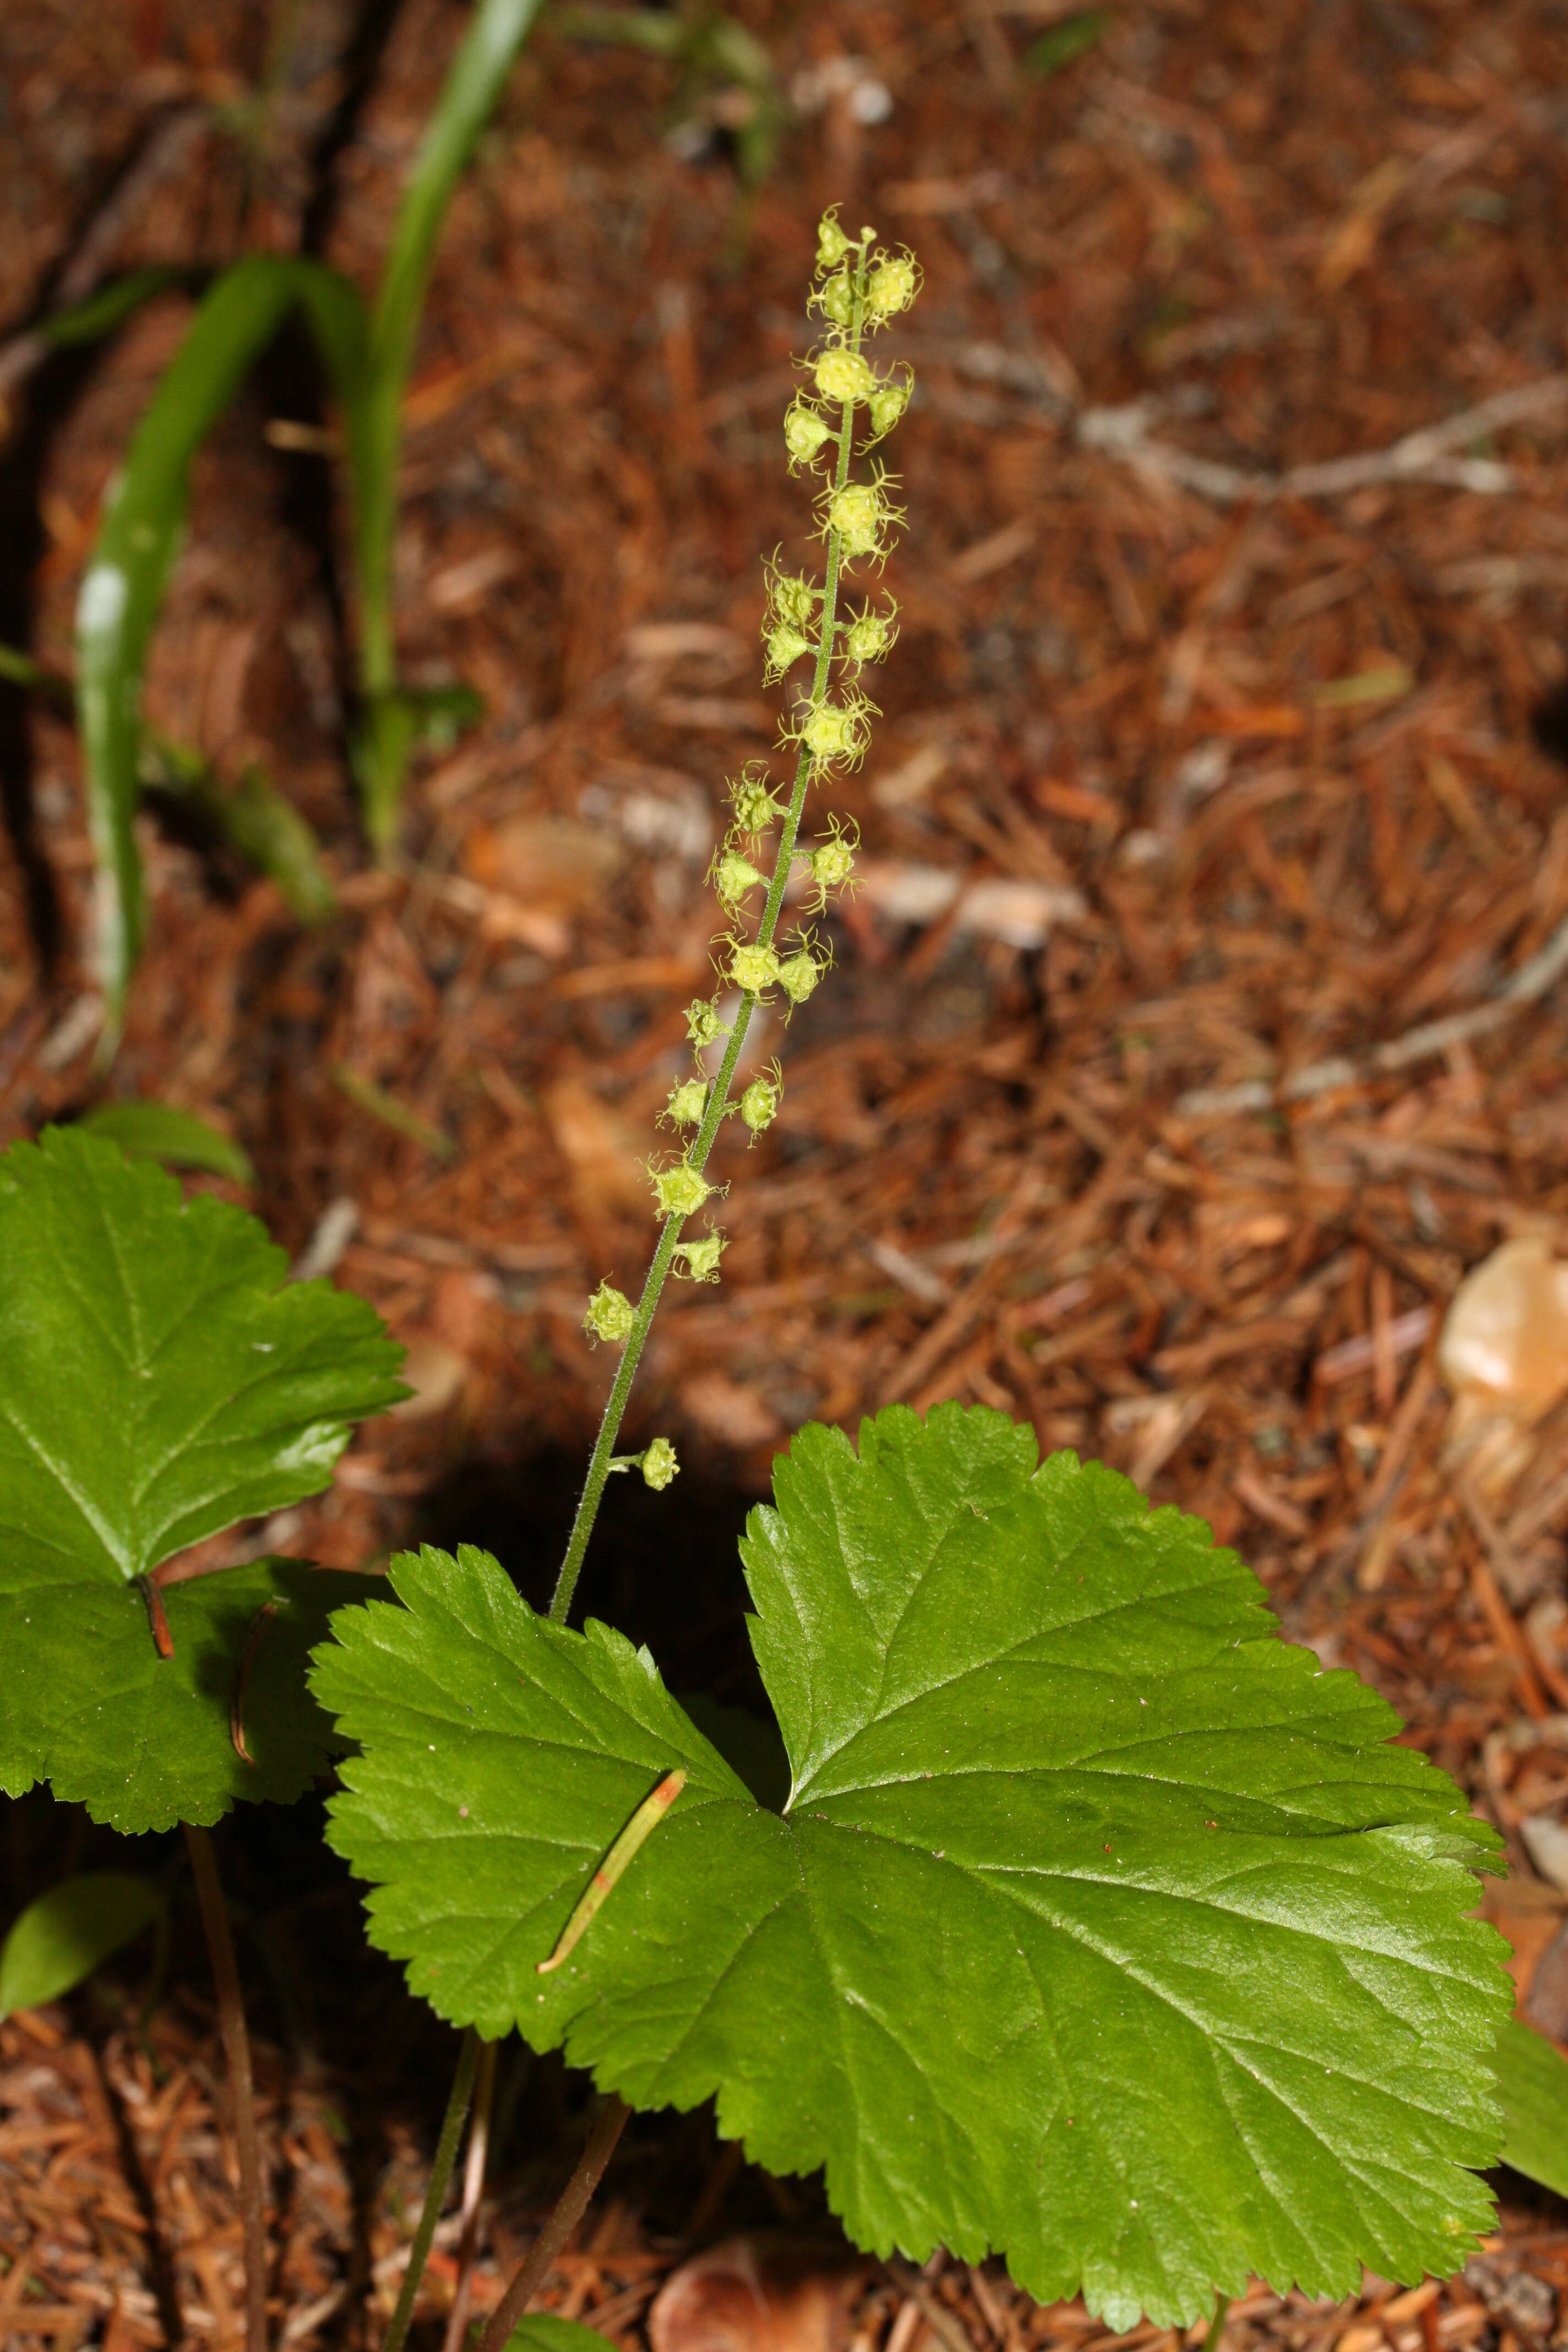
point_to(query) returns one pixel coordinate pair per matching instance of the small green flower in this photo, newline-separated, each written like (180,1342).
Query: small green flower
(733,875)
(794,599)
(832,864)
(798,975)
(893,285)
(678,1190)
(703,1025)
(785,647)
(754,806)
(832,244)
(843,377)
(660,1465)
(753,967)
(805,431)
(869,637)
(862,514)
(687,1103)
(611,1316)
(837,300)
(703,1256)
(759,1104)
(889,402)
(837,731)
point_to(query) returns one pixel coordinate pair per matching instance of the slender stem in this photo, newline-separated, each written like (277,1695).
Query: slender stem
(236,2054)
(473,2194)
(436,2190)
(718,1093)
(1217,2328)
(569,2212)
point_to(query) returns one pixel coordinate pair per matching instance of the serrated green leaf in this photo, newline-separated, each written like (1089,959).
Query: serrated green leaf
(144,1741)
(1533,2085)
(56,1942)
(159,1377)
(155,1130)
(158,1380)
(1103,1928)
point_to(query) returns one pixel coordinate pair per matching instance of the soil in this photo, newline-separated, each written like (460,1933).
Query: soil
(1202,783)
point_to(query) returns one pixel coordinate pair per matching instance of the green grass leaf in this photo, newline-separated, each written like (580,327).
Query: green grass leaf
(1101,1928)
(155,1130)
(143,1741)
(542,2331)
(56,1942)
(122,587)
(1066,42)
(158,1380)
(474,82)
(1533,2085)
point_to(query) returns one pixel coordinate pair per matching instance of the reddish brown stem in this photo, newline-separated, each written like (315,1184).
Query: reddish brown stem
(473,2194)
(552,2239)
(157,1617)
(237,2054)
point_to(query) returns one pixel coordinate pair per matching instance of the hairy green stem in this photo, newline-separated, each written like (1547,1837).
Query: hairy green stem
(435,2193)
(718,1093)
(242,2090)
(1216,2336)
(569,2210)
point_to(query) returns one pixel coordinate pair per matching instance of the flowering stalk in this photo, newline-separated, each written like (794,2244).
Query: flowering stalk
(859,290)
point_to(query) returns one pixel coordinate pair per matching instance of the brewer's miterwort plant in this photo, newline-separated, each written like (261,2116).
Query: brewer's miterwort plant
(1098,1927)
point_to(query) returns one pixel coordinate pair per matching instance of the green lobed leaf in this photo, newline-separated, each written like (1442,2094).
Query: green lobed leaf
(1533,2085)
(158,1380)
(143,1741)
(56,1942)
(159,1377)
(155,1130)
(1103,1928)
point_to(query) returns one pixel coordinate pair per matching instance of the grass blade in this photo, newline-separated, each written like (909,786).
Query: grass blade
(123,585)
(155,1130)
(472,87)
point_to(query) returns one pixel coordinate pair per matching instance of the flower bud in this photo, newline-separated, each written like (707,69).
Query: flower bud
(660,1465)
(837,300)
(892,286)
(804,432)
(798,975)
(703,1256)
(734,876)
(868,638)
(832,864)
(843,377)
(753,967)
(832,244)
(759,1104)
(703,1025)
(688,1102)
(678,1190)
(754,806)
(785,647)
(611,1316)
(887,403)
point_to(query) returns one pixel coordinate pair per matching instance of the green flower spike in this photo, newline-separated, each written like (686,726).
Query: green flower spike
(753,803)
(610,1316)
(832,864)
(703,1025)
(786,646)
(733,875)
(799,975)
(837,733)
(862,514)
(760,1103)
(869,637)
(804,430)
(832,244)
(889,402)
(843,377)
(792,598)
(892,286)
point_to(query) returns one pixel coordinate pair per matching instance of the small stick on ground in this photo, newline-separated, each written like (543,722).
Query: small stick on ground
(236,2054)
(552,2239)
